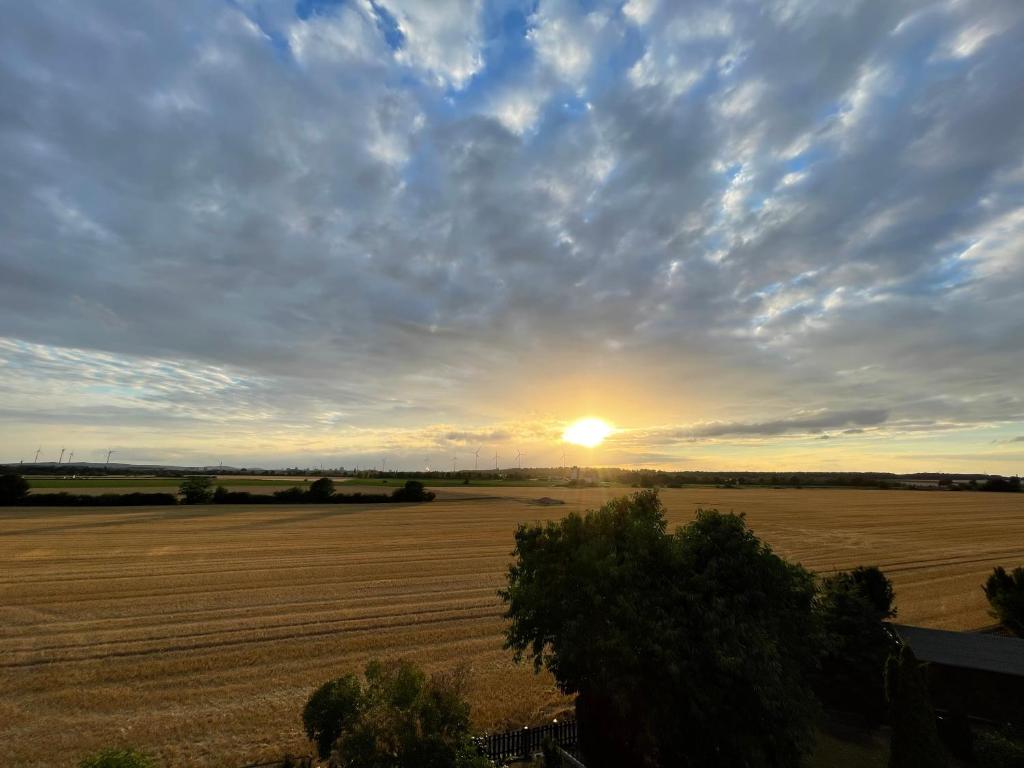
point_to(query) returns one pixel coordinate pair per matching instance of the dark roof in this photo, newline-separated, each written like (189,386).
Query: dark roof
(968,650)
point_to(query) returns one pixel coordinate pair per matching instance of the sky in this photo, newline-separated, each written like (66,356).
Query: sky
(748,234)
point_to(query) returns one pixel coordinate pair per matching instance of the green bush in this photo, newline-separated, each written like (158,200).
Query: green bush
(118,758)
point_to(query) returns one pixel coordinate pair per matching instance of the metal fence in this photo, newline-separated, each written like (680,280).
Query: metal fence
(524,742)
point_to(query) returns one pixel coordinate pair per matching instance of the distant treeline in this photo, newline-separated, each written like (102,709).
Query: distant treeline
(198,489)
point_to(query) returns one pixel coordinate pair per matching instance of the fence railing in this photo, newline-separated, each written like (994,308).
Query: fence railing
(525,742)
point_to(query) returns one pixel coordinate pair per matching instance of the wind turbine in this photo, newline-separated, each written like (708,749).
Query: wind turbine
(384,463)
(36,459)
(519,458)
(61,456)
(107,462)
(426,463)
(71,456)
(454,460)
(476,459)
(495,461)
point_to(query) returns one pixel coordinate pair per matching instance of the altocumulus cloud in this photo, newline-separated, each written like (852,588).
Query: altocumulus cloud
(322,227)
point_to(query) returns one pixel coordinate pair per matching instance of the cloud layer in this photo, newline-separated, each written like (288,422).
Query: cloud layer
(274,231)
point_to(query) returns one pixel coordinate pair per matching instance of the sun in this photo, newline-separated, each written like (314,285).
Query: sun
(587,432)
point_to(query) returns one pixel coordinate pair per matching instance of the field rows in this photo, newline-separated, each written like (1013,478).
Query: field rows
(197,633)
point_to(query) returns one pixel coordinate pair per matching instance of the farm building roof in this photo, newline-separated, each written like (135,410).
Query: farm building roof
(968,650)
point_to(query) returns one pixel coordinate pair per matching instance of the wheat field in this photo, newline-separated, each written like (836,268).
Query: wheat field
(196,633)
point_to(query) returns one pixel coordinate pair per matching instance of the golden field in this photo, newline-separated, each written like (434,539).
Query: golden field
(197,633)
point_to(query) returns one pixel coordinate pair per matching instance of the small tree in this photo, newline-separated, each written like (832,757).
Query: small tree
(915,738)
(399,719)
(196,489)
(1005,593)
(855,645)
(333,706)
(118,758)
(414,490)
(13,489)
(321,490)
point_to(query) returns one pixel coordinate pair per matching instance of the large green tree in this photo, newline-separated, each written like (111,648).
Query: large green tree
(692,648)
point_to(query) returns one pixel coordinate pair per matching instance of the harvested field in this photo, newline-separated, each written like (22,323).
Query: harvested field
(197,632)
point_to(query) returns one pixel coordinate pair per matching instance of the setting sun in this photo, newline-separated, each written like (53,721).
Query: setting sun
(587,432)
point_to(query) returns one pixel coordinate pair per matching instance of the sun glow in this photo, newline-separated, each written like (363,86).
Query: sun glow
(587,432)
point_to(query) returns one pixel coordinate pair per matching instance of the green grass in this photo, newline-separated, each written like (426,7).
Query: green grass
(148,482)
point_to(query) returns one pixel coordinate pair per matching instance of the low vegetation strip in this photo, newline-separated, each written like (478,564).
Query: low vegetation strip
(198,489)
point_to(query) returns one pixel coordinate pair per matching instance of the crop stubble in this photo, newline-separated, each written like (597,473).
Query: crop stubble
(198,632)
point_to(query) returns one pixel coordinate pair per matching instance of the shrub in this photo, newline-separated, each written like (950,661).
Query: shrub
(1005,593)
(196,489)
(13,489)
(118,758)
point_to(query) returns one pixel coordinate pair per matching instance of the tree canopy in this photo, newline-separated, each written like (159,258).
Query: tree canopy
(1005,593)
(685,648)
(855,644)
(197,489)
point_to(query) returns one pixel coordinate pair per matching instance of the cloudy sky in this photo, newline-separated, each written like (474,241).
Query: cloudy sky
(765,234)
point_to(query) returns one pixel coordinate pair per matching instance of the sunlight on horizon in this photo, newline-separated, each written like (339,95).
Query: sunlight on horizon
(589,432)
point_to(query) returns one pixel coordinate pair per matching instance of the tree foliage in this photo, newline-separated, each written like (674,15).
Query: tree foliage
(13,489)
(118,758)
(688,648)
(332,707)
(400,718)
(413,490)
(322,489)
(1005,593)
(915,739)
(855,644)
(196,489)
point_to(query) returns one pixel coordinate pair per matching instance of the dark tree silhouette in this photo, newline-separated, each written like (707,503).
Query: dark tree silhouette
(684,649)
(13,489)
(1005,593)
